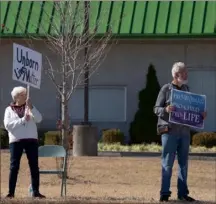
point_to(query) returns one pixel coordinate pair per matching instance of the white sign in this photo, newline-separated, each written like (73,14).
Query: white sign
(27,66)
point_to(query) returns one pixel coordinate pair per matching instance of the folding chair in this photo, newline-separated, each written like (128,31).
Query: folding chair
(56,151)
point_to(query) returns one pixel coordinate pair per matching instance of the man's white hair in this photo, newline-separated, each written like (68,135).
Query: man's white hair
(17,90)
(177,67)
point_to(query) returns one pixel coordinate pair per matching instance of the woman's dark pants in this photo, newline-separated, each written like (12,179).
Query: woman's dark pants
(16,151)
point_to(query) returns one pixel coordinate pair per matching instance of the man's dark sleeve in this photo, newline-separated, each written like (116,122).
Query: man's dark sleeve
(159,108)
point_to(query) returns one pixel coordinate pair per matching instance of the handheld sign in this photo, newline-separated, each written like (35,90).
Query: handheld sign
(188,110)
(27,66)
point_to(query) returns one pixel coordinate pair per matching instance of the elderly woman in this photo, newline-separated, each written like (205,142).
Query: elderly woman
(175,137)
(20,121)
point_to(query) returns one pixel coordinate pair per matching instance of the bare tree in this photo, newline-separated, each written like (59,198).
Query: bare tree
(79,48)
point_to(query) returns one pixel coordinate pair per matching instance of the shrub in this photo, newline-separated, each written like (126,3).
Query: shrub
(112,136)
(207,139)
(143,129)
(4,138)
(54,138)
(192,133)
(41,136)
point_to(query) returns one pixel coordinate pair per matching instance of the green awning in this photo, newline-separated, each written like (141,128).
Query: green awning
(127,18)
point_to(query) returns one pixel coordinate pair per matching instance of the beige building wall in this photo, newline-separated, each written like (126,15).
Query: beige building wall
(123,70)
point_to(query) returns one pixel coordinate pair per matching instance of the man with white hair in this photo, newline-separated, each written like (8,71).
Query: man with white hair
(20,120)
(174,137)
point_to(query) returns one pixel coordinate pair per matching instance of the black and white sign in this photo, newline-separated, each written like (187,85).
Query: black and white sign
(27,65)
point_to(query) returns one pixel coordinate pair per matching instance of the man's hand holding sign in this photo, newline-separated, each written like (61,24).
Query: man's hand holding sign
(169,108)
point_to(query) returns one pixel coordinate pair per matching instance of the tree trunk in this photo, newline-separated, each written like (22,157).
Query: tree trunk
(64,129)
(64,120)
(64,102)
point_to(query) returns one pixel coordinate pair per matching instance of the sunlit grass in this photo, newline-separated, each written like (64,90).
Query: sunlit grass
(145,148)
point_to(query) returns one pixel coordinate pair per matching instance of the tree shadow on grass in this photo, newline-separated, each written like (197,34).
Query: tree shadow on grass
(79,180)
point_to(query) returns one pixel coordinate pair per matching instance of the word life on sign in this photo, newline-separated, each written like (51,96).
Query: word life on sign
(188,108)
(27,66)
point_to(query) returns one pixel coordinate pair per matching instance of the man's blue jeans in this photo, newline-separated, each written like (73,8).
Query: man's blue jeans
(172,143)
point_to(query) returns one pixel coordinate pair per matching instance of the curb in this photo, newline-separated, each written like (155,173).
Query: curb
(192,156)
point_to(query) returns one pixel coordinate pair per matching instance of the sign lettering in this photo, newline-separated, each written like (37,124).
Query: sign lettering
(27,66)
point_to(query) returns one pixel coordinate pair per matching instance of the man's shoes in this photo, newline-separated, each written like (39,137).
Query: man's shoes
(38,195)
(164,198)
(10,196)
(186,198)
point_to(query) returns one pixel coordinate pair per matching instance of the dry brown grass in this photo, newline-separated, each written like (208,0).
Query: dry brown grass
(104,179)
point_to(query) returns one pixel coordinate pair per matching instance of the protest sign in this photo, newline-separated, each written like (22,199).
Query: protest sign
(27,66)
(188,108)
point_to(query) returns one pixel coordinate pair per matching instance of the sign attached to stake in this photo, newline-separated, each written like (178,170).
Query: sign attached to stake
(27,66)
(188,108)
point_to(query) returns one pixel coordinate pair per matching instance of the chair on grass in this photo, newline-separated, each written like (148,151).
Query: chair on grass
(55,151)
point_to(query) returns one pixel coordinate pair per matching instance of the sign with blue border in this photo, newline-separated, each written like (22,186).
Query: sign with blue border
(188,108)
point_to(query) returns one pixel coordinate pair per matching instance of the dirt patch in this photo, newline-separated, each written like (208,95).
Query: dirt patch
(113,179)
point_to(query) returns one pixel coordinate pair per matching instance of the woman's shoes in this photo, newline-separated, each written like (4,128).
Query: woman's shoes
(10,196)
(35,195)
(38,195)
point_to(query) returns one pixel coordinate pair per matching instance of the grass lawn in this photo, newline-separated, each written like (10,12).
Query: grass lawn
(146,148)
(111,179)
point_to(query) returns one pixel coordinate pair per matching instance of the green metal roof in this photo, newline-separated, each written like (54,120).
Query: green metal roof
(127,18)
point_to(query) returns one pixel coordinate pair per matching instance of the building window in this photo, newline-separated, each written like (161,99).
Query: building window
(106,104)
